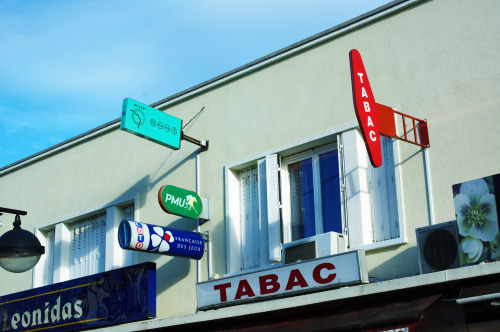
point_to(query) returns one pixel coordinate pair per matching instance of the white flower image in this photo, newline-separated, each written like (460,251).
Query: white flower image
(476,211)
(161,239)
(495,247)
(470,250)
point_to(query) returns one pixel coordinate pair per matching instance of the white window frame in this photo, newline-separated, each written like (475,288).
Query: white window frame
(355,173)
(285,188)
(115,257)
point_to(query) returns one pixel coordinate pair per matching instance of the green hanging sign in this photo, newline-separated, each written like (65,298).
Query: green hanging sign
(149,123)
(181,202)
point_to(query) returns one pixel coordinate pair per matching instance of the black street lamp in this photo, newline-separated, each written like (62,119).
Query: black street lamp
(20,250)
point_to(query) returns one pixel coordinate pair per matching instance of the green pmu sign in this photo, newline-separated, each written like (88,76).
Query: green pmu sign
(181,202)
(149,123)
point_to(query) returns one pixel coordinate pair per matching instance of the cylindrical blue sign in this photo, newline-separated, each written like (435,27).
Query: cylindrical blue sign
(133,235)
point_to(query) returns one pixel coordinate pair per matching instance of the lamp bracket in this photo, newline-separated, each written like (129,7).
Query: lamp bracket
(17,222)
(12,211)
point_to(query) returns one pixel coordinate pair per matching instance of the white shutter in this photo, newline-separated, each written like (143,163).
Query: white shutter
(129,212)
(88,246)
(100,255)
(49,256)
(383,190)
(372,199)
(233,219)
(255,226)
(75,251)
(249,216)
(357,189)
(269,205)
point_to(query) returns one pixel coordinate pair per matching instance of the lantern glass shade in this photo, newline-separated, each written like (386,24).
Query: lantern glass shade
(20,250)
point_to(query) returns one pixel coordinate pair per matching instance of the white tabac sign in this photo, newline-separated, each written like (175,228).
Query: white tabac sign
(333,271)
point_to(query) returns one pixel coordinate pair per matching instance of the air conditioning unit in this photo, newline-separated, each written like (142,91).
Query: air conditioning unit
(438,247)
(322,245)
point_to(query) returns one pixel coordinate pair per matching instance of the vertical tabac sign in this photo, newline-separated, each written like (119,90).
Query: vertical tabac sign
(366,109)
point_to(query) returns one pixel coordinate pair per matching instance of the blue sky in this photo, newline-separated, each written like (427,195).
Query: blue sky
(66,66)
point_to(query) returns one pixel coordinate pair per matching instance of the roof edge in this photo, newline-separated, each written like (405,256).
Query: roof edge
(61,146)
(385,10)
(290,50)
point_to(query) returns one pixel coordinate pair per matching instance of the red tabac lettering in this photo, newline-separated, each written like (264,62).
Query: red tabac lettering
(366,109)
(296,279)
(317,273)
(244,289)
(274,283)
(269,284)
(222,289)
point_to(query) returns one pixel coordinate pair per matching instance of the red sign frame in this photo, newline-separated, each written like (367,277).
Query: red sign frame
(365,108)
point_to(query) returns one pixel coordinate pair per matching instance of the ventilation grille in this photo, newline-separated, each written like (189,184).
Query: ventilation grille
(300,252)
(438,247)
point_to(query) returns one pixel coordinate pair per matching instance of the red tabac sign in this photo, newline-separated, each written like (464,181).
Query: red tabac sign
(366,108)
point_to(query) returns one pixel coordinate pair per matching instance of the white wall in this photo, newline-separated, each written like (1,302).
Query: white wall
(437,60)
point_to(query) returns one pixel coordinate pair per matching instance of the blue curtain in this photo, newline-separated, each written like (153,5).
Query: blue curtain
(330,192)
(302,199)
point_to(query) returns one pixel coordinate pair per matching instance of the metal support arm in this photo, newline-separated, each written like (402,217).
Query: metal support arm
(203,143)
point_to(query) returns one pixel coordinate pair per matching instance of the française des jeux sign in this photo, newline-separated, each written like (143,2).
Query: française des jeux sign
(285,280)
(113,297)
(181,202)
(365,108)
(133,235)
(149,123)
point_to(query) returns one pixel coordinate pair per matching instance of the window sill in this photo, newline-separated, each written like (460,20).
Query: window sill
(255,269)
(367,247)
(383,244)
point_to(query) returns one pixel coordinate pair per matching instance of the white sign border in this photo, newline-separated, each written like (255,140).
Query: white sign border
(355,261)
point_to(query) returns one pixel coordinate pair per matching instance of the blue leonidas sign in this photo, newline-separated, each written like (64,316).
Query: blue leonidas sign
(134,235)
(113,297)
(149,123)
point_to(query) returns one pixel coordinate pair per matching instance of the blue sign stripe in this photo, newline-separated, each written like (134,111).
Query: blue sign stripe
(113,297)
(133,235)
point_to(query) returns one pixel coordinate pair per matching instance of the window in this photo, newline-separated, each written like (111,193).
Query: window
(308,189)
(82,246)
(311,193)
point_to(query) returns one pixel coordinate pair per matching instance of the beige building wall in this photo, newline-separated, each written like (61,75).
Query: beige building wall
(435,60)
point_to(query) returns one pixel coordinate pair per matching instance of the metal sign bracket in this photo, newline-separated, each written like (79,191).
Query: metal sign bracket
(203,143)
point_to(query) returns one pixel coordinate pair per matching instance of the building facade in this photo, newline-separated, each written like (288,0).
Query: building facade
(302,232)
